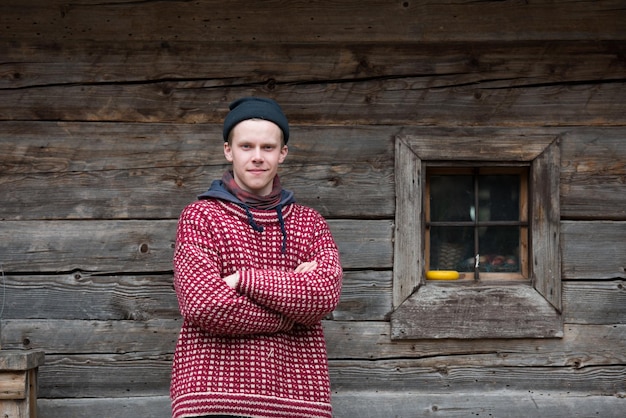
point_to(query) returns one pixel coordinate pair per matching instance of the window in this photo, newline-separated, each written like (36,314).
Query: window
(476,221)
(506,187)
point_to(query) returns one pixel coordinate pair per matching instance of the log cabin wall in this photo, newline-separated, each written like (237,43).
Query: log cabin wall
(110,123)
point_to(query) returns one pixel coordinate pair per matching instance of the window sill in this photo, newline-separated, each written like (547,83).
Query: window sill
(476,311)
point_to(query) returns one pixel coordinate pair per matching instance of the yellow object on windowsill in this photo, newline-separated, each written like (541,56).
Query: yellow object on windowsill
(442,275)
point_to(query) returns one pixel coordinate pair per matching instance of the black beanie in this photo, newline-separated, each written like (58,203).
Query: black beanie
(255,108)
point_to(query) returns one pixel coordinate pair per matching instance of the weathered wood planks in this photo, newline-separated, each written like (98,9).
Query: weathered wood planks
(110,122)
(108,247)
(402,100)
(113,375)
(514,404)
(353,340)
(498,403)
(595,250)
(85,171)
(366,296)
(319,22)
(530,83)
(143,348)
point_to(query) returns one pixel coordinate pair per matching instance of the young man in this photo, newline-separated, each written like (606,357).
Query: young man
(254,273)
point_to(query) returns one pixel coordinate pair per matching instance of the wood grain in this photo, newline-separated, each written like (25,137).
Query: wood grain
(380,404)
(121,171)
(319,22)
(148,246)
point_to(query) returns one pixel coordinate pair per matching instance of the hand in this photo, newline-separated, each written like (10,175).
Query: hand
(306,267)
(233,280)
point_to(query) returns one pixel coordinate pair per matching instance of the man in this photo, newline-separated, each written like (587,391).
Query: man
(254,274)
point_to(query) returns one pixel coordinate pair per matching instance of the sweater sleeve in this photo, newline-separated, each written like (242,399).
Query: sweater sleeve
(204,298)
(305,298)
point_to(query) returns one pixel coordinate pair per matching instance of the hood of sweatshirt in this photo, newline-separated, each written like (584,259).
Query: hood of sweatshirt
(218,191)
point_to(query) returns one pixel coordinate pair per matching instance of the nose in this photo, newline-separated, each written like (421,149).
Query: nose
(258,155)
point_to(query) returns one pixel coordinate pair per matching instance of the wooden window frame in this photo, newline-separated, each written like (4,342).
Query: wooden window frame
(427,310)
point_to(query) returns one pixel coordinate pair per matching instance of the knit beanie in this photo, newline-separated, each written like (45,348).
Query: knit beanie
(255,108)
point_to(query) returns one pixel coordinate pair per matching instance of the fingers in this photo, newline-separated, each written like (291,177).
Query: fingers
(306,267)
(233,280)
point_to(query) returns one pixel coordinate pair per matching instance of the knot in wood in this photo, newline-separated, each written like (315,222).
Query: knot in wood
(270,84)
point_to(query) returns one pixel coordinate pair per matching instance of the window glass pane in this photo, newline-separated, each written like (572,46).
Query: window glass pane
(499,249)
(499,197)
(451,198)
(451,247)
(461,223)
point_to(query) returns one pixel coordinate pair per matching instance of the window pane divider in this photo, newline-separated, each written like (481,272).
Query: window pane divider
(476,224)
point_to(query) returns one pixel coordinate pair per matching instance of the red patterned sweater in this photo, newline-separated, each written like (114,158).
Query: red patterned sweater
(259,350)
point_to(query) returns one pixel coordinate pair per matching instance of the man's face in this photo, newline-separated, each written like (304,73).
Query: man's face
(255,150)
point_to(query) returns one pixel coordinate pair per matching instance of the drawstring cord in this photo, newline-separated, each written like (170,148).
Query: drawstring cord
(259,228)
(253,224)
(279,211)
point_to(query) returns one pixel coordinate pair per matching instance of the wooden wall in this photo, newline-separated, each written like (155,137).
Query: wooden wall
(110,123)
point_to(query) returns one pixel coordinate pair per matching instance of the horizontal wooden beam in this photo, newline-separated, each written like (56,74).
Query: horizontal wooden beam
(120,375)
(122,171)
(377,403)
(148,246)
(346,340)
(383,101)
(317,22)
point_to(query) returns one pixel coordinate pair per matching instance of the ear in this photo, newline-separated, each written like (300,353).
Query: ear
(283,154)
(228,152)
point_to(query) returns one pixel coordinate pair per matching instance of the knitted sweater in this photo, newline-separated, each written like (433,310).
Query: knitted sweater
(257,350)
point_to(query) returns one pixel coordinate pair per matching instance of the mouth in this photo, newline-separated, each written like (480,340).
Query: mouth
(257,171)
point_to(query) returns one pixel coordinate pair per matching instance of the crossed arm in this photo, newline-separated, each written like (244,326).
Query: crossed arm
(252,301)
(233,280)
